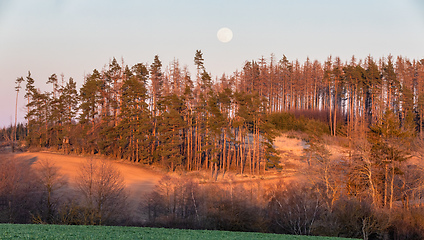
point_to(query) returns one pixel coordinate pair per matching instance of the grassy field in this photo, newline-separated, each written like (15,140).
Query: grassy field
(19,231)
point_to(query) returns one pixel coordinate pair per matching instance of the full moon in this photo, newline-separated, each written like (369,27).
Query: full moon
(224,35)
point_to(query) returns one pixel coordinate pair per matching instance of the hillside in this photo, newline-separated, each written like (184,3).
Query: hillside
(138,180)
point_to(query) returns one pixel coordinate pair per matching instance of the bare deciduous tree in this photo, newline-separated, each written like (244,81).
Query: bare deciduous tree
(51,181)
(294,209)
(103,192)
(19,193)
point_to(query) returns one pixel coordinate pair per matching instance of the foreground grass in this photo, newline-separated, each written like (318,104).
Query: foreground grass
(22,231)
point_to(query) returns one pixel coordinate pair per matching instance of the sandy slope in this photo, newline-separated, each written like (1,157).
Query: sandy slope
(139,180)
(291,152)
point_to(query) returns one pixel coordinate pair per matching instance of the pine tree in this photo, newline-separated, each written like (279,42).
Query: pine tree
(90,98)
(373,84)
(225,100)
(135,124)
(38,114)
(111,84)
(54,121)
(198,62)
(17,89)
(241,123)
(170,128)
(392,85)
(30,91)
(113,76)
(286,71)
(389,149)
(188,101)
(203,87)
(69,106)
(156,87)
(215,124)
(38,117)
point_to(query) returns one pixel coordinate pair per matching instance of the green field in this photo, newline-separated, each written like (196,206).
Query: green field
(21,231)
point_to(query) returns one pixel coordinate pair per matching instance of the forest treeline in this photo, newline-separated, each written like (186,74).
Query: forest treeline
(190,121)
(144,114)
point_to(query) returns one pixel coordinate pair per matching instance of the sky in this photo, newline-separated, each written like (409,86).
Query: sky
(74,37)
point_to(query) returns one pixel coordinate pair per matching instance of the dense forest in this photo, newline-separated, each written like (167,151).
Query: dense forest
(185,121)
(150,115)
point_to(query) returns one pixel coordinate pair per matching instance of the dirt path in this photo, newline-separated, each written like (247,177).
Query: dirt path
(139,181)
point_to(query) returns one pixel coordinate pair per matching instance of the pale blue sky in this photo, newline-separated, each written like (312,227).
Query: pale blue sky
(74,37)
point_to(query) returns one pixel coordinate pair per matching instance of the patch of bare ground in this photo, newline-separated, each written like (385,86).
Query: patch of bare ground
(290,149)
(138,180)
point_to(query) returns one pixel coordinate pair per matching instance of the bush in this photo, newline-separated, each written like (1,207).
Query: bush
(174,203)
(20,192)
(351,218)
(407,224)
(293,209)
(287,121)
(102,189)
(181,203)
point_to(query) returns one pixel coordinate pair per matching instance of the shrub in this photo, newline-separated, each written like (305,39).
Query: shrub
(293,209)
